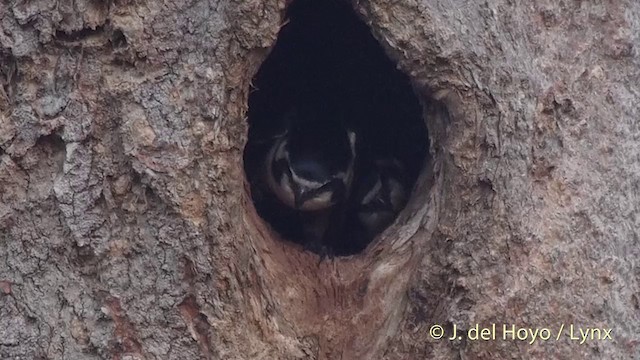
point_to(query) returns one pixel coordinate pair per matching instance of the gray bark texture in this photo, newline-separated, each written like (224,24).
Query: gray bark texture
(127,230)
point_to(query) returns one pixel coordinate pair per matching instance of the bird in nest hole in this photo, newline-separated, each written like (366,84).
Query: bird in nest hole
(313,172)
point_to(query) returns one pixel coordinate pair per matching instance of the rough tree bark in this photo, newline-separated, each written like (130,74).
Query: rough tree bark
(126,230)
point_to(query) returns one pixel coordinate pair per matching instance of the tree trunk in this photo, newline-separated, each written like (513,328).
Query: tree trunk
(127,231)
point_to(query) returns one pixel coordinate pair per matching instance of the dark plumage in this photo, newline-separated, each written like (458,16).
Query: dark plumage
(310,166)
(379,195)
(308,169)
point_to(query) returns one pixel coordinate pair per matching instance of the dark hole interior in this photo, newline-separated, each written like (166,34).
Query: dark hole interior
(326,72)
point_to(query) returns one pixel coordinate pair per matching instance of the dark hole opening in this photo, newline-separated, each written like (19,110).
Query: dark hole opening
(118,39)
(327,76)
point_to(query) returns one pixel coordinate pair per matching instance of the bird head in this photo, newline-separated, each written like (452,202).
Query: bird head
(312,165)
